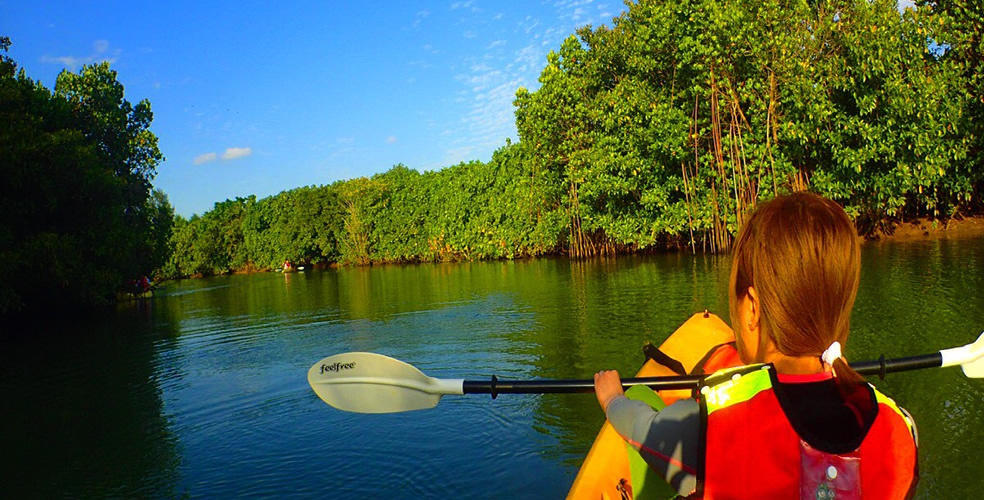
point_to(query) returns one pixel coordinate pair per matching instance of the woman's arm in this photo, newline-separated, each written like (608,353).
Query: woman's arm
(667,440)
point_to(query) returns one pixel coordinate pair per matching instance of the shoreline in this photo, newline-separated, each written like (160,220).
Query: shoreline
(926,229)
(921,229)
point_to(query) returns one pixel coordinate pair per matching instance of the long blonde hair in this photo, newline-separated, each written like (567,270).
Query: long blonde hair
(802,255)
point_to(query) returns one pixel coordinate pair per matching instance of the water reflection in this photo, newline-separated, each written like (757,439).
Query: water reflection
(916,298)
(83,410)
(202,389)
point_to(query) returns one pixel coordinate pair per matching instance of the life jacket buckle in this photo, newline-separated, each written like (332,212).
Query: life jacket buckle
(826,476)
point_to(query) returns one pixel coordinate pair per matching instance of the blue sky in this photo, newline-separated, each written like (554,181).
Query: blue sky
(256,98)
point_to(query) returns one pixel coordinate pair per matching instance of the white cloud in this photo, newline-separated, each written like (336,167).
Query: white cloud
(419,18)
(528,59)
(481,68)
(344,147)
(68,61)
(533,23)
(487,82)
(205,158)
(391,139)
(420,63)
(572,9)
(234,153)
(569,4)
(488,90)
(100,53)
(458,155)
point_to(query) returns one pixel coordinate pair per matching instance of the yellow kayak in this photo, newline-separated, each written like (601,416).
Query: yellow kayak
(613,469)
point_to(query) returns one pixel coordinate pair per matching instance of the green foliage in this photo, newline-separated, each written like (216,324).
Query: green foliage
(685,114)
(211,244)
(396,202)
(664,130)
(955,29)
(160,215)
(470,211)
(76,216)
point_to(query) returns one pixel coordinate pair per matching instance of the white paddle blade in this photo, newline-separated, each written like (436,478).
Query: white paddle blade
(365,382)
(970,357)
(975,367)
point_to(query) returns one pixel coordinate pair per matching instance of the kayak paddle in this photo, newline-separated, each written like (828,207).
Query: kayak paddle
(366,382)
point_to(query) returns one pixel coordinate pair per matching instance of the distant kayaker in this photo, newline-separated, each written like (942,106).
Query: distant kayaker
(796,421)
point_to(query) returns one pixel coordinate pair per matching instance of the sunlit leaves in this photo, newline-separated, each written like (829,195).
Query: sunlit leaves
(687,112)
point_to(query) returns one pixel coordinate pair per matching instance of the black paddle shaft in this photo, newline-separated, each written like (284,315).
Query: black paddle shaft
(496,386)
(883,366)
(568,386)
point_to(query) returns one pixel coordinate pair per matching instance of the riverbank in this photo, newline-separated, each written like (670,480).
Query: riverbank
(916,230)
(929,229)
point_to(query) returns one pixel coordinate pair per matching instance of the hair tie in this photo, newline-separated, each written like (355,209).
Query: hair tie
(832,353)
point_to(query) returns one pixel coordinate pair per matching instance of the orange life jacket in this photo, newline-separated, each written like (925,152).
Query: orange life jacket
(717,358)
(750,449)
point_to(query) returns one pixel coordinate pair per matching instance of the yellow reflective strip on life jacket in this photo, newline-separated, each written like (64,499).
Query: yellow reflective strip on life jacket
(726,373)
(889,402)
(736,389)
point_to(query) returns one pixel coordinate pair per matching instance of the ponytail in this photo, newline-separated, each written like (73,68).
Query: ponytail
(845,375)
(849,383)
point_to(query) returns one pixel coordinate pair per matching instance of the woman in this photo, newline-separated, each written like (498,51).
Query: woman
(796,421)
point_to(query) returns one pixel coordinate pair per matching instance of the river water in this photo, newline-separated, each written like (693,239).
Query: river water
(202,392)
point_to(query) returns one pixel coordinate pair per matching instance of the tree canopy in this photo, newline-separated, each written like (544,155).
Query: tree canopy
(660,131)
(684,114)
(663,130)
(77,216)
